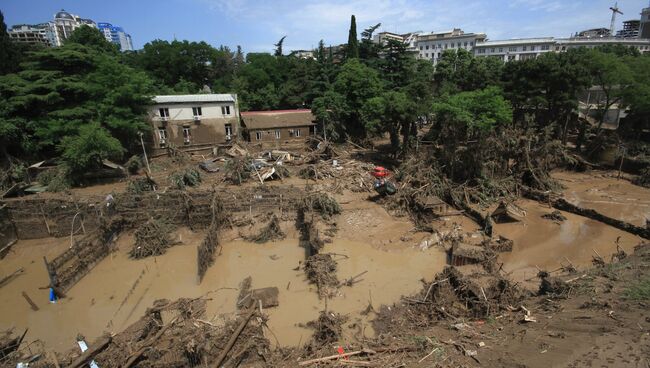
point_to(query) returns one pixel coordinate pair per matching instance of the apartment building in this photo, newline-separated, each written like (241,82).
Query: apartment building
(116,35)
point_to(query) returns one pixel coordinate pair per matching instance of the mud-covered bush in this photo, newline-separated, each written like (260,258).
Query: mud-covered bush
(56,179)
(238,170)
(321,203)
(189,177)
(134,164)
(644,178)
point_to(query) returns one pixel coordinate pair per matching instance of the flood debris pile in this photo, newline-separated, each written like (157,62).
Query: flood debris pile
(270,232)
(453,295)
(321,271)
(175,334)
(152,238)
(322,204)
(328,328)
(9,344)
(206,252)
(643,179)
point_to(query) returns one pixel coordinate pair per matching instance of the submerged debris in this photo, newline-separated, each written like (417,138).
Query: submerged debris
(321,270)
(152,238)
(555,216)
(270,232)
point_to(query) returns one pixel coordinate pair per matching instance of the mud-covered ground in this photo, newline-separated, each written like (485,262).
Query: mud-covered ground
(576,330)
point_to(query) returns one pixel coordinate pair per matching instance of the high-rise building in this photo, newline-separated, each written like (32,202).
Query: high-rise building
(644,28)
(64,24)
(116,35)
(630,29)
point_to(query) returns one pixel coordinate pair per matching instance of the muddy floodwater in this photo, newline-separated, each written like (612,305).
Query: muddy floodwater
(118,290)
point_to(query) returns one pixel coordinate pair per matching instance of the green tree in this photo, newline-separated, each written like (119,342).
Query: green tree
(278,46)
(354,85)
(636,95)
(353,43)
(10,52)
(369,50)
(62,89)
(392,112)
(91,37)
(86,150)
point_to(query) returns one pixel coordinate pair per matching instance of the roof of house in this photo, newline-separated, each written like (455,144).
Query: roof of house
(277,119)
(170,99)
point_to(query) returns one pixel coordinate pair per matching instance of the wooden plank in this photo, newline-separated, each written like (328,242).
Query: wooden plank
(92,351)
(30,301)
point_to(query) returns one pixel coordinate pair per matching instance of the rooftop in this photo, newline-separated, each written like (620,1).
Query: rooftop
(170,99)
(515,41)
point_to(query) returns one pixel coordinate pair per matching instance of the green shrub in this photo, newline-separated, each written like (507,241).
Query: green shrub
(639,291)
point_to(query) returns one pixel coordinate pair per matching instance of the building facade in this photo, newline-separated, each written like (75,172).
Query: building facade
(194,121)
(430,46)
(116,35)
(64,24)
(630,29)
(279,126)
(529,48)
(36,35)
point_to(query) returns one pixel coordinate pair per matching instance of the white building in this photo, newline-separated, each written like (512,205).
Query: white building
(38,34)
(529,48)
(430,46)
(64,24)
(194,121)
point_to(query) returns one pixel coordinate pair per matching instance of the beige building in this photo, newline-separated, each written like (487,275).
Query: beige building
(194,122)
(280,126)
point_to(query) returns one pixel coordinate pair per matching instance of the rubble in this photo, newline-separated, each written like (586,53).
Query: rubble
(321,271)
(152,238)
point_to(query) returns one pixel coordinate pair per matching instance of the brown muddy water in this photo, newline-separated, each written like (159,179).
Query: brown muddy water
(542,243)
(119,290)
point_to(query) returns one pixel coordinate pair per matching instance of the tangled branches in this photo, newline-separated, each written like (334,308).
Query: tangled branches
(270,232)
(152,239)
(321,270)
(187,177)
(321,203)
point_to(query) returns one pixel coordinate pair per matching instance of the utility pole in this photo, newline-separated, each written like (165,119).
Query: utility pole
(144,151)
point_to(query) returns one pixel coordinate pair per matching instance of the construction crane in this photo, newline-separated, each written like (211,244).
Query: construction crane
(615,11)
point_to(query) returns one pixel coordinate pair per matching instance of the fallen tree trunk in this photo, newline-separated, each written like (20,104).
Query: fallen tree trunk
(235,335)
(564,205)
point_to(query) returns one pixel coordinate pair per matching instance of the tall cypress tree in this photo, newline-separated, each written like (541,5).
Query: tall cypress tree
(7,49)
(353,42)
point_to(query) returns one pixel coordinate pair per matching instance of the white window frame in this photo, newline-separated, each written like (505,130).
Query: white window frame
(278,134)
(258,136)
(163,112)
(297,132)
(228,128)
(197,111)
(187,135)
(225,110)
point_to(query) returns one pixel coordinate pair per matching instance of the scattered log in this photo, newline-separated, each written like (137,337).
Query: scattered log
(30,301)
(91,352)
(337,356)
(11,276)
(352,280)
(233,338)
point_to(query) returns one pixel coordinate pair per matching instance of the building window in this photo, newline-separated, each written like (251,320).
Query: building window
(228,131)
(187,136)
(481,51)
(164,112)
(196,111)
(532,48)
(162,136)
(297,132)
(258,136)
(545,47)
(493,50)
(225,110)
(277,134)
(500,49)
(427,47)
(471,43)
(512,49)
(445,46)
(524,48)
(426,55)
(421,47)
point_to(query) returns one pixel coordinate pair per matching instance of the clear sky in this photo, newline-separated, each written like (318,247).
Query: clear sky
(257,24)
